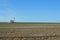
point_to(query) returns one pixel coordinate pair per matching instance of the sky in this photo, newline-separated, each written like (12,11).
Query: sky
(30,10)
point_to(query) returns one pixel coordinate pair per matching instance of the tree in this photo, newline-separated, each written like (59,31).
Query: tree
(12,21)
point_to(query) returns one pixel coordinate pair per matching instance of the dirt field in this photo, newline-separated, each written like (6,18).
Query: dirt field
(29,34)
(29,31)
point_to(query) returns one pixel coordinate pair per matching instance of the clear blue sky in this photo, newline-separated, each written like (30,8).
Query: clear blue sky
(30,10)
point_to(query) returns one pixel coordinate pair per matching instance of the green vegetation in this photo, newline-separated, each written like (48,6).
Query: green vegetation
(29,25)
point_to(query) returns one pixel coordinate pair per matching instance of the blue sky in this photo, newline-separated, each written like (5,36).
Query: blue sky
(30,10)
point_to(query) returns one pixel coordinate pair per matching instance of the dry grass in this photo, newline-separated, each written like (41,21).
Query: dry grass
(29,31)
(29,34)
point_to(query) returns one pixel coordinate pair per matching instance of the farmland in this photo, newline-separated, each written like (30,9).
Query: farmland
(29,25)
(29,31)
